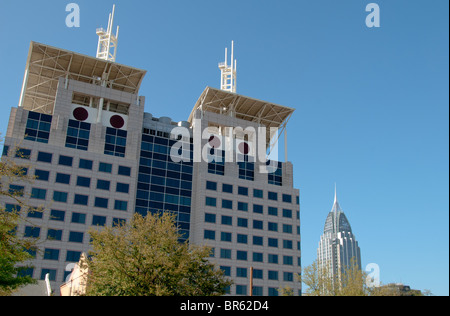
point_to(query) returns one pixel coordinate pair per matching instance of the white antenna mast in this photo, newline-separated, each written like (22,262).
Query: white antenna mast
(228,73)
(107,42)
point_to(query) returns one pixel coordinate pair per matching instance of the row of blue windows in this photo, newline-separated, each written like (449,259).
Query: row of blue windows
(256,224)
(258,274)
(244,191)
(62,178)
(62,197)
(258,257)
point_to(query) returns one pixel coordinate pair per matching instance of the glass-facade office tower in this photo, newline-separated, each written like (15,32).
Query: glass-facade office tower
(80,128)
(338,247)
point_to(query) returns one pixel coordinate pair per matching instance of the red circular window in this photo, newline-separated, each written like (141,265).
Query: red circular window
(116,121)
(244,148)
(80,114)
(214,142)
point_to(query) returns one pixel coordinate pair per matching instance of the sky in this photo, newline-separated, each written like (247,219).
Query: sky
(372,104)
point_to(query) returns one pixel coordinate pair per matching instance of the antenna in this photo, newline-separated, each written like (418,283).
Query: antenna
(228,72)
(107,42)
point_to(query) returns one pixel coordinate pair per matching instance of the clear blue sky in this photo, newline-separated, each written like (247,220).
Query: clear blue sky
(372,111)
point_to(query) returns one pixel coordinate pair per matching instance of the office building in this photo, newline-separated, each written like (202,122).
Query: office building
(98,158)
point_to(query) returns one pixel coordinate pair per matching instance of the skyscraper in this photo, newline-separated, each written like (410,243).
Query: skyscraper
(98,158)
(338,246)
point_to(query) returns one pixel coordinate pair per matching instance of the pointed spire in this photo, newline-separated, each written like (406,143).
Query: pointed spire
(336,207)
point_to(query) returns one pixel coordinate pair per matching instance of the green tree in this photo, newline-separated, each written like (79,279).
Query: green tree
(145,258)
(13,250)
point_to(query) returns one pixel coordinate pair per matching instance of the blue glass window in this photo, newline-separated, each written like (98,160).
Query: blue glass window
(115,142)
(78,134)
(38,127)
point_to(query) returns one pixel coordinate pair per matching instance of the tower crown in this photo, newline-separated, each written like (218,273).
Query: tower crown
(228,73)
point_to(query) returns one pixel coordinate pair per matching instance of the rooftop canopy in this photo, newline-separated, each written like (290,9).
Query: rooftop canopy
(46,64)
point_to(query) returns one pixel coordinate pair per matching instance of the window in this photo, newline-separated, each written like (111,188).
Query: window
(272,242)
(287,229)
(122,187)
(32,232)
(84,182)
(258,257)
(98,220)
(118,222)
(101,202)
(51,274)
(242,222)
(60,196)
(44,157)
(124,171)
(103,185)
(258,193)
(287,244)
(241,272)
(35,213)
(243,191)
(241,289)
(224,236)
(276,176)
(287,213)
(62,178)
(211,185)
(41,175)
(272,211)
(287,198)
(78,218)
(246,168)
(211,201)
(243,206)
(120,205)
(210,218)
(227,188)
(216,163)
(54,234)
(80,199)
(257,208)
(258,274)
(51,254)
(58,216)
(273,227)
(257,224)
(23,153)
(105,167)
(76,237)
(227,220)
(115,142)
(226,270)
(73,256)
(273,196)
(78,135)
(209,235)
(85,164)
(288,276)
(16,190)
(288,260)
(242,239)
(258,241)
(38,194)
(227,204)
(272,258)
(225,253)
(241,255)
(65,161)
(273,275)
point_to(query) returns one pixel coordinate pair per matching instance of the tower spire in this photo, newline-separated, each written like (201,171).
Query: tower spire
(228,72)
(107,41)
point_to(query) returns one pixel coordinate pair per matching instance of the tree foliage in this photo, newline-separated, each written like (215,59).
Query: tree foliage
(351,282)
(13,250)
(145,258)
